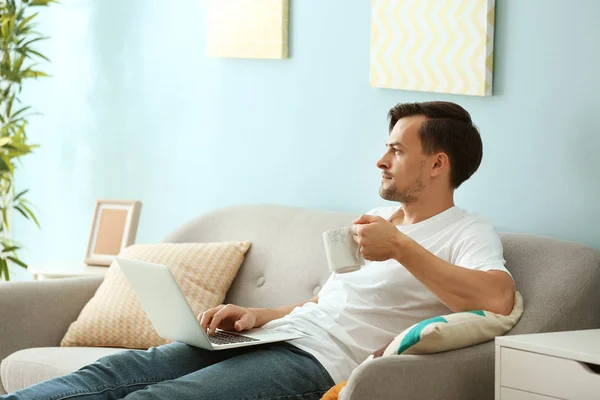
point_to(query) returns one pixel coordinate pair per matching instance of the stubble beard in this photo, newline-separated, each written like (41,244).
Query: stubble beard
(406,196)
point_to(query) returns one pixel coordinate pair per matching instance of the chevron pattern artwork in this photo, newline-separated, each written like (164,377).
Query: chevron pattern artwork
(248,28)
(443,46)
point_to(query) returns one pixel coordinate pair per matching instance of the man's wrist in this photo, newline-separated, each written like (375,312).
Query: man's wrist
(403,248)
(264,315)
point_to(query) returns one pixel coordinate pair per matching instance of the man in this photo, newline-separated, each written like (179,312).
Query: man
(426,257)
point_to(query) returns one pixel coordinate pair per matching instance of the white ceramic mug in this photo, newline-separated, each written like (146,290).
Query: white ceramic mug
(343,253)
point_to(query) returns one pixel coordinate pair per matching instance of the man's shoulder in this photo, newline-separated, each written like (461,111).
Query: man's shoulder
(476,218)
(474,224)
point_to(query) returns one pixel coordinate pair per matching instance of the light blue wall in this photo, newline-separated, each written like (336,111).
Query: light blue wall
(136,110)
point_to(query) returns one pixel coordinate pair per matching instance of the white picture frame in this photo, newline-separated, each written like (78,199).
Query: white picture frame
(114,227)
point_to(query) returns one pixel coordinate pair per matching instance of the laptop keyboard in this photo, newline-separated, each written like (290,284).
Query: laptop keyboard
(221,337)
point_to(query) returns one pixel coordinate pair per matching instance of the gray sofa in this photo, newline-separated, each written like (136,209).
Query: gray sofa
(560,282)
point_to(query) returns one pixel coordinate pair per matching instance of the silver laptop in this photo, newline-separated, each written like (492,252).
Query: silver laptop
(173,318)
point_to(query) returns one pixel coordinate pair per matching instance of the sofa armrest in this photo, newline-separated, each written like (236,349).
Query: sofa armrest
(38,313)
(459,374)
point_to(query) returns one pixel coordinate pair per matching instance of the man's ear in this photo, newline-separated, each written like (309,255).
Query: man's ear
(441,164)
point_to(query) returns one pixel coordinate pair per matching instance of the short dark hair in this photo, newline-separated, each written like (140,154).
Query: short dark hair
(448,128)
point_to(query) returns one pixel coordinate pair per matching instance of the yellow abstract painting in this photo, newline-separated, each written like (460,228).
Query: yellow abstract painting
(248,28)
(444,46)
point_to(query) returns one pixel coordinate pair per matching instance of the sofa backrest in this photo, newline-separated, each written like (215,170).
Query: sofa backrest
(286,262)
(559,280)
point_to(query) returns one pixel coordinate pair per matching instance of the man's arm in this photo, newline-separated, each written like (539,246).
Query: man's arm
(231,317)
(264,315)
(461,289)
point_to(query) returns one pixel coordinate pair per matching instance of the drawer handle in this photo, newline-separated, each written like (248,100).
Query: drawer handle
(594,368)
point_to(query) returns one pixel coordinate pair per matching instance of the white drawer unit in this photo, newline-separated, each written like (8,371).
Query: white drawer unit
(556,365)
(507,393)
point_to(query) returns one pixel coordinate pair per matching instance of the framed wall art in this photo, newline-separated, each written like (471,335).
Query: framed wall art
(248,28)
(443,46)
(114,227)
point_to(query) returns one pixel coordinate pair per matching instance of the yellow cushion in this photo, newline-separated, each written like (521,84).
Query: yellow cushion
(334,392)
(115,318)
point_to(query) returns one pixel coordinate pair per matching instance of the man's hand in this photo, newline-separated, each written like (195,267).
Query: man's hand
(378,238)
(227,317)
(380,352)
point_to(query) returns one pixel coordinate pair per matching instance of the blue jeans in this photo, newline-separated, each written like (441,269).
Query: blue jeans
(178,371)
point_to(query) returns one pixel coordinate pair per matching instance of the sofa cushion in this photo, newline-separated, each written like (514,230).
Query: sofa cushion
(454,331)
(443,333)
(26,367)
(114,317)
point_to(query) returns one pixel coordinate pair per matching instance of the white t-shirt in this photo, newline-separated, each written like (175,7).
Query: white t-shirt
(362,311)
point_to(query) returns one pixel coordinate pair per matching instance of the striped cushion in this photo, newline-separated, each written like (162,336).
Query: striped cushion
(454,331)
(115,318)
(448,332)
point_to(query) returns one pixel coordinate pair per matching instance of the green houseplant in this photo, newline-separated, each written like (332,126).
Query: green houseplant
(17,63)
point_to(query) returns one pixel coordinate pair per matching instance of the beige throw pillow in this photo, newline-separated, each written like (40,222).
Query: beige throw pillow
(115,318)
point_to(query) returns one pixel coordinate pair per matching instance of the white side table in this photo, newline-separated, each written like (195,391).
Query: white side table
(65,269)
(556,365)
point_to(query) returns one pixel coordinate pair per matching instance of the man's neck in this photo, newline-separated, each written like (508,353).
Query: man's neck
(418,211)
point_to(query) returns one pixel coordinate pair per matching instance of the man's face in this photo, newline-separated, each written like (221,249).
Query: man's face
(404,162)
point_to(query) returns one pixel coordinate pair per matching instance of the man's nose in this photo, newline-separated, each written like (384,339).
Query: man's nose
(383,163)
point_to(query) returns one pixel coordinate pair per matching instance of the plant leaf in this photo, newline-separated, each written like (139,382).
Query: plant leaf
(6,240)
(3,166)
(4,219)
(17,261)
(19,62)
(20,13)
(20,147)
(28,210)
(37,53)
(4,30)
(41,2)
(4,269)
(37,39)
(29,73)
(26,20)
(19,209)
(10,248)
(20,194)
(19,112)
(8,163)
(21,130)
(9,104)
